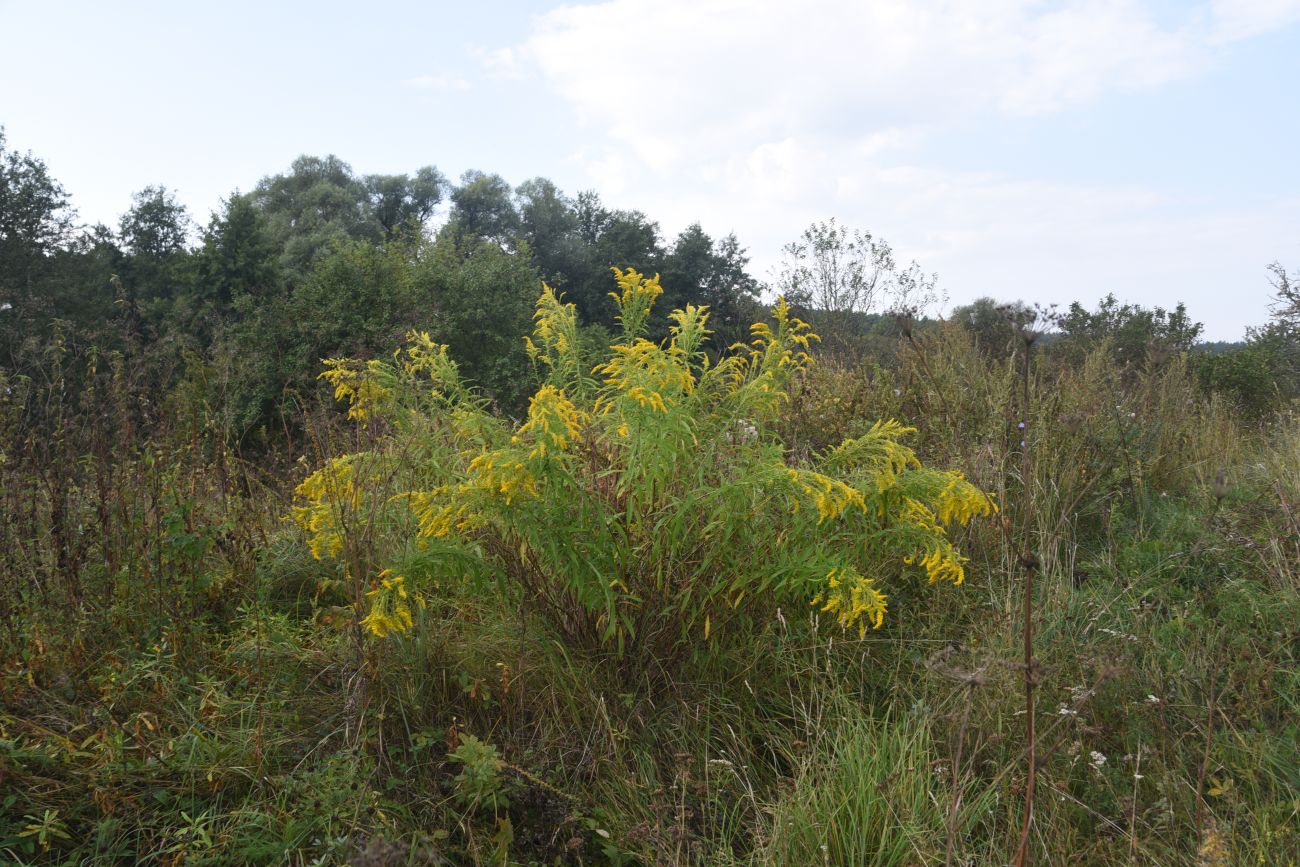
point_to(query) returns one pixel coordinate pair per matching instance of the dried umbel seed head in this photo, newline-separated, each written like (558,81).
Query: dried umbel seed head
(1022,320)
(906,319)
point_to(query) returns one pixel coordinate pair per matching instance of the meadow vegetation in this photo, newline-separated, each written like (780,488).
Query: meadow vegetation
(309,557)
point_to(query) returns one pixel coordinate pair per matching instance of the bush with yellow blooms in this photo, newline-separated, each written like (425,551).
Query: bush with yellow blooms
(647,505)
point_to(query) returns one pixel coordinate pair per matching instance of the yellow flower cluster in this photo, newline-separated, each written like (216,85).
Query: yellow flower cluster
(424,356)
(941,563)
(784,345)
(689,329)
(553,422)
(501,474)
(853,599)
(635,298)
(879,452)
(331,495)
(918,515)
(361,384)
(437,516)
(960,501)
(831,496)
(554,425)
(757,380)
(637,425)
(647,373)
(555,329)
(390,609)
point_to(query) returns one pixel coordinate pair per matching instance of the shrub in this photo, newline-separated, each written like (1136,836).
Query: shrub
(648,505)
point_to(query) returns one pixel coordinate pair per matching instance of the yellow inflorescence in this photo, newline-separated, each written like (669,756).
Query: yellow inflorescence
(502,474)
(636,295)
(424,356)
(360,384)
(555,331)
(960,501)
(853,599)
(879,452)
(941,563)
(689,329)
(785,345)
(880,503)
(647,373)
(553,422)
(330,495)
(438,515)
(831,496)
(390,609)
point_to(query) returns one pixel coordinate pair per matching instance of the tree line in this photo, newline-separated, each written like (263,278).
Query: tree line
(319,261)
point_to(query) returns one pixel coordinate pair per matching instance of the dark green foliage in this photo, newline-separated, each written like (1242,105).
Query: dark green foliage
(157,226)
(1133,330)
(483,207)
(362,299)
(238,267)
(991,324)
(699,270)
(400,203)
(1248,375)
(35,223)
(318,203)
(321,202)
(549,225)
(477,299)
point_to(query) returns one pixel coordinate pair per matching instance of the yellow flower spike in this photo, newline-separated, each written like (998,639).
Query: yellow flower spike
(853,599)
(553,417)
(326,498)
(390,613)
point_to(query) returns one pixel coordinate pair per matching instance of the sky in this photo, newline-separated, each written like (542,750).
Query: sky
(1023,149)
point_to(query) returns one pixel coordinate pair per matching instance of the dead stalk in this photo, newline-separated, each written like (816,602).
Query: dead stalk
(1029,563)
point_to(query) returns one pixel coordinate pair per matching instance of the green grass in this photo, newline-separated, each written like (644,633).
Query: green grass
(206,705)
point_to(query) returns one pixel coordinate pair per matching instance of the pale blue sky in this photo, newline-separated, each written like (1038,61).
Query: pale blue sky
(1024,149)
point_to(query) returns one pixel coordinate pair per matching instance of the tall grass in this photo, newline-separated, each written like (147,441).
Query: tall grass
(179,678)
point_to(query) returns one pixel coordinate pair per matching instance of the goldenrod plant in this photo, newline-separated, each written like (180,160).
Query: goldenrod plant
(648,505)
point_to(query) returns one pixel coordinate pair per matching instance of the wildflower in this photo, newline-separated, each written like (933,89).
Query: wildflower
(637,297)
(659,451)
(365,386)
(960,501)
(553,421)
(328,496)
(853,599)
(390,610)
(831,496)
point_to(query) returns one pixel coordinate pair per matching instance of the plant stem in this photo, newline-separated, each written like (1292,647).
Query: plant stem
(1029,561)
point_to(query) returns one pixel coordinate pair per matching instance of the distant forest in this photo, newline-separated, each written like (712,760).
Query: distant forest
(319,261)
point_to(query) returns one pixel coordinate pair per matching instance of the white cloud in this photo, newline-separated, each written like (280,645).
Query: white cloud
(762,115)
(768,67)
(1241,19)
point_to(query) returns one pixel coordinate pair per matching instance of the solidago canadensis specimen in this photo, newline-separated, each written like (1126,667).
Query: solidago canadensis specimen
(646,503)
